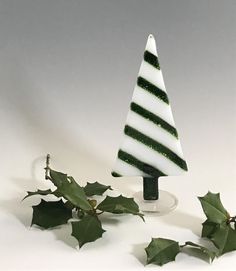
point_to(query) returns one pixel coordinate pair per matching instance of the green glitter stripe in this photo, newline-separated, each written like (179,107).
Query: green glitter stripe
(115,174)
(151,59)
(153,144)
(133,161)
(154,118)
(159,93)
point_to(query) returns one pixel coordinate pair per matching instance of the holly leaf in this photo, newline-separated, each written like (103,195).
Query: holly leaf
(119,205)
(96,188)
(224,238)
(43,193)
(161,251)
(213,208)
(49,214)
(38,192)
(70,189)
(208,228)
(88,229)
(210,254)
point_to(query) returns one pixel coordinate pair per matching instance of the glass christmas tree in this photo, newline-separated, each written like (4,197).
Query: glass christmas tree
(150,147)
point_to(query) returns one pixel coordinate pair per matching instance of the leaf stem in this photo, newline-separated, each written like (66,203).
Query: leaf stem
(47,168)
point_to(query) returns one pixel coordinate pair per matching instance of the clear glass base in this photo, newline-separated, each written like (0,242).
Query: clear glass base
(165,204)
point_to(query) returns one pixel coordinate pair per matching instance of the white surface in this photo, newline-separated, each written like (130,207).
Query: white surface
(122,246)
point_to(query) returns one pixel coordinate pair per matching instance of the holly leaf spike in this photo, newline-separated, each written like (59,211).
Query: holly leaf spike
(88,229)
(38,192)
(213,208)
(95,188)
(119,205)
(49,214)
(161,251)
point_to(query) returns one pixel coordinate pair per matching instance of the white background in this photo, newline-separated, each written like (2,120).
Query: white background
(67,72)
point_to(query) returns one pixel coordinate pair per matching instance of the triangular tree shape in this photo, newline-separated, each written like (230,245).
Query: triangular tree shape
(150,147)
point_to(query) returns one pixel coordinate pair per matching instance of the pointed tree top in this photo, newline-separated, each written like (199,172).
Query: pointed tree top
(151,45)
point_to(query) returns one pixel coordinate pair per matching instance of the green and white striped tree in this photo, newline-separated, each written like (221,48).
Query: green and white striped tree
(150,147)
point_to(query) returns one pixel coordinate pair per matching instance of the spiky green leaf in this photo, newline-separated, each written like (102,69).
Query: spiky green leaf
(213,208)
(49,214)
(70,189)
(38,192)
(119,205)
(88,229)
(224,238)
(161,251)
(96,188)
(208,228)
(210,254)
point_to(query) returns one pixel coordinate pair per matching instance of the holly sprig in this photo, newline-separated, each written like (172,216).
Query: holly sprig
(77,202)
(79,206)
(219,229)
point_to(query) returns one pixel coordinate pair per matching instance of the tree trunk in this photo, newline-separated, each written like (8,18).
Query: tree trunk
(150,188)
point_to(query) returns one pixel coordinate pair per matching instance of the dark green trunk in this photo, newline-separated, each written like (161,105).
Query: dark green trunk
(150,189)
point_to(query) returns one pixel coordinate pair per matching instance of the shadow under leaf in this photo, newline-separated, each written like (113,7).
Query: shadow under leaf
(139,253)
(183,220)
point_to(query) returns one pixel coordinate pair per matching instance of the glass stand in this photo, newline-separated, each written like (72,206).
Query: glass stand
(165,204)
